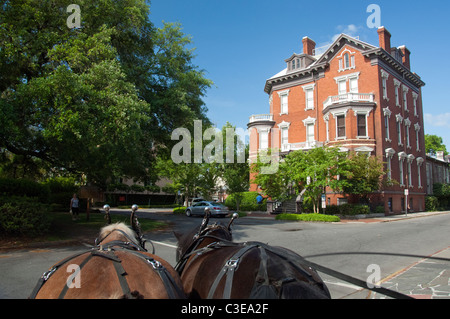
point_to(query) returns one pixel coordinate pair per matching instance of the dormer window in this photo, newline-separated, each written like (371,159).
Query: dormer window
(295,64)
(346,60)
(298,62)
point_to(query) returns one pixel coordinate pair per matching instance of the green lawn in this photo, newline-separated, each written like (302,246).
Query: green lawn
(63,226)
(309,217)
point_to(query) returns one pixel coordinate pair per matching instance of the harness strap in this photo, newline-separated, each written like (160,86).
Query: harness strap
(121,273)
(192,250)
(46,275)
(172,288)
(228,269)
(262,272)
(66,286)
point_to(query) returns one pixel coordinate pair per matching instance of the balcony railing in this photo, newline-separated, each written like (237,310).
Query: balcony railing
(300,146)
(261,117)
(349,97)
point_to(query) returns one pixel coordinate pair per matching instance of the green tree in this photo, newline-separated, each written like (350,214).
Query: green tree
(434,143)
(309,172)
(315,170)
(235,175)
(276,185)
(366,176)
(93,100)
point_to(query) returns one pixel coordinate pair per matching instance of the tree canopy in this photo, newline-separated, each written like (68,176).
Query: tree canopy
(310,173)
(434,143)
(96,100)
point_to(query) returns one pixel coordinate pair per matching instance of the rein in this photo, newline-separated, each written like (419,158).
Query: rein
(130,243)
(232,263)
(197,239)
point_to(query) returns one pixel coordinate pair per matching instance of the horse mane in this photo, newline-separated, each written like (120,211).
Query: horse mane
(105,231)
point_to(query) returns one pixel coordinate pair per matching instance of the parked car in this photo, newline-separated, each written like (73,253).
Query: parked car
(216,209)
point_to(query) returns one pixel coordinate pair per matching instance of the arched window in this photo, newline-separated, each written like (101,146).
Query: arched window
(346,60)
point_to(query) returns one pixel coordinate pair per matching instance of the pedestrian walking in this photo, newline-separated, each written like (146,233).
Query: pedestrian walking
(74,207)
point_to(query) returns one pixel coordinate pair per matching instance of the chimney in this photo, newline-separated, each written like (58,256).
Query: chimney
(385,39)
(308,46)
(406,55)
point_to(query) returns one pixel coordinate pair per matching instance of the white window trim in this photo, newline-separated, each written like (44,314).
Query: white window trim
(281,94)
(405,96)
(284,126)
(366,113)
(384,78)
(389,155)
(261,132)
(306,89)
(415,97)
(352,62)
(336,115)
(397,85)
(417,129)
(387,113)
(420,161)
(410,159)
(399,120)
(401,159)
(309,121)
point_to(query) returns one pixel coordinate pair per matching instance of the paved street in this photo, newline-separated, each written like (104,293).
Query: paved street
(349,247)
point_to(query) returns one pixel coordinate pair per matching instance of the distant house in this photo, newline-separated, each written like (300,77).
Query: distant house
(438,170)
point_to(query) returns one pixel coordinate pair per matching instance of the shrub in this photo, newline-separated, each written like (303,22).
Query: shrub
(380,210)
(24,187)
(309,217)
(179,210)
(431,203)
(248,202)
(25,217)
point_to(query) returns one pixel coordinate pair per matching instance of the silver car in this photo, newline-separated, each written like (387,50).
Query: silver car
(216,209)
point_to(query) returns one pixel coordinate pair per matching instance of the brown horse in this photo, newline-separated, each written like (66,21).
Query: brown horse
(118,267)
(212,266)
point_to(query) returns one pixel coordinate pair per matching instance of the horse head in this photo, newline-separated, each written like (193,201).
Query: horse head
(116,232)
(121,232)
(194,238)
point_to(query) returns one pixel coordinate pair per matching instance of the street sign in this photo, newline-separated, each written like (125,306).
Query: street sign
(406,192)
(324,201)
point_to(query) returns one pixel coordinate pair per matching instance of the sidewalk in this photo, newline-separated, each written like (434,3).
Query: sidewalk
(384,219)
(392,218)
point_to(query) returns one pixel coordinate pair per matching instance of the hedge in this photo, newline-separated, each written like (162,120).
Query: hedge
(24,187)
(24,217)
(179,210)
(309,217)
(248,202)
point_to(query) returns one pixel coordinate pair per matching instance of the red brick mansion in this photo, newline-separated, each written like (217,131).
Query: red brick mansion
(356,96)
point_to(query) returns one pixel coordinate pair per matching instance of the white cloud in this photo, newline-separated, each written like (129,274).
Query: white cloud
(439,120)
(351,30)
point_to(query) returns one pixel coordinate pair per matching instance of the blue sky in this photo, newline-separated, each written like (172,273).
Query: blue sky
(240,44)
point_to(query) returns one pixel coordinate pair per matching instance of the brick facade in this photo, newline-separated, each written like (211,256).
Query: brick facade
(351,96)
